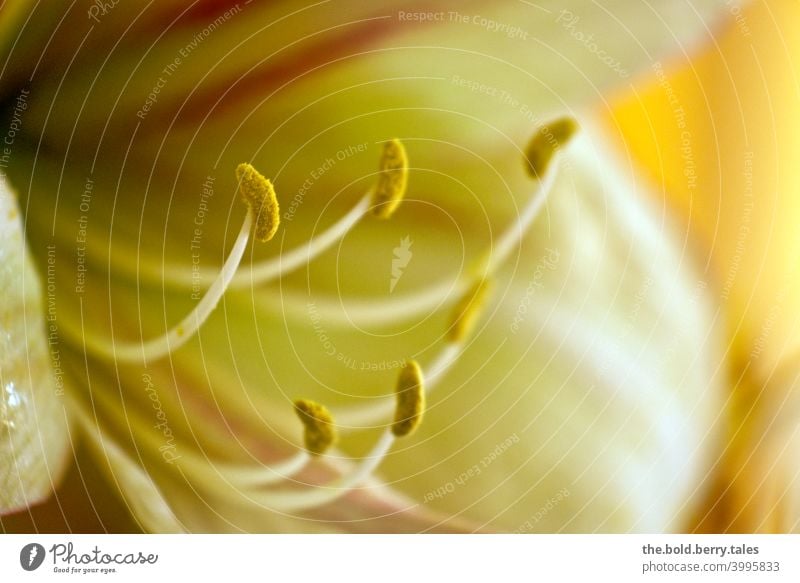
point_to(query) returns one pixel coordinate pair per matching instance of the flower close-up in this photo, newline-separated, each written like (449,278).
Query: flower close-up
(507,267)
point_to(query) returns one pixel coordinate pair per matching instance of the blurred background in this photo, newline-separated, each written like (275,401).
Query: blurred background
(741,101)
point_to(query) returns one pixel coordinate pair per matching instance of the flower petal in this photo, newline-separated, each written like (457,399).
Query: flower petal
(600,406)
(247,92)
(600,411)
(33,421)
(139,491)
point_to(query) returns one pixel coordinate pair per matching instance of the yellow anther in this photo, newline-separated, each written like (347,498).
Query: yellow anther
(320,432)
(468,309)
(259,195)
(391,187)
(546,143)
(410,399)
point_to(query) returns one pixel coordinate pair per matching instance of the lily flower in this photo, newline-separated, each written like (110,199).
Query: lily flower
(345,267)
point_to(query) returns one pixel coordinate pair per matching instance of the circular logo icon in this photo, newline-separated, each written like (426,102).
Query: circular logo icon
(31,556)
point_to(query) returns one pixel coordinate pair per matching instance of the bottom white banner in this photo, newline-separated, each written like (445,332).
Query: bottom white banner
(401,558)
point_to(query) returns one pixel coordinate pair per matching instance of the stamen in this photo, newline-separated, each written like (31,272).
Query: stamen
(391,187)
(290,501)
(546,143)
(471,303)
(259,195)
(560,132)
(468,309)
(244,475)
(361,417)
(410,392)
(382,199)
(410,400)
(320,432)
(372,312)
(467,312)
(238,474)
(410,407)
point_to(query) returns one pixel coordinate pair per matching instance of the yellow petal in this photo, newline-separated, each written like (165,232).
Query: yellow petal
(721,134)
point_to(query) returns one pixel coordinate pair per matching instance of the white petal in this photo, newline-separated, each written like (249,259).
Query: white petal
(601,409)
(33,420)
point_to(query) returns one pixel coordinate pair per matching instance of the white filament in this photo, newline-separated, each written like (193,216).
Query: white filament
(372,312)
(177,336)
(292,501)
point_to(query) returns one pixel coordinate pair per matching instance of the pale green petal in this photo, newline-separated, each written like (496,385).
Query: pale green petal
(34,444)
